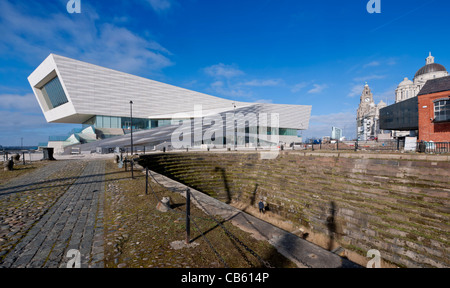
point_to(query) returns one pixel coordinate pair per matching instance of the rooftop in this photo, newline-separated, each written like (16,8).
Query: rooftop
(436,85)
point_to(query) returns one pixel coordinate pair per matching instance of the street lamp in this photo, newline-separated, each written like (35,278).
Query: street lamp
(131,127)
(234,126)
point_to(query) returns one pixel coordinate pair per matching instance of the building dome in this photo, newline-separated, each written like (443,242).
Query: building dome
(405,82)
(430,68)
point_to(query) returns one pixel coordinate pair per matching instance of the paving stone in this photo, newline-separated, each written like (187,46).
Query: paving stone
(71,223)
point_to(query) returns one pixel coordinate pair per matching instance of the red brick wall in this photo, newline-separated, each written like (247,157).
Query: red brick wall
(429,131)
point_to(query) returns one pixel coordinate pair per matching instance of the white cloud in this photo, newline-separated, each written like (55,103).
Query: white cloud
(26,103)
(229,90)
(356,90)
(388,95)
(263,83)
(369,77)
(160,5)
(225,80)
(223,71)
(13,121)
(33,37)
(317,88)
(372,64)
(298,87)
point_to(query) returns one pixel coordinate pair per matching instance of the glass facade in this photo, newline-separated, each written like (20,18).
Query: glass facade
(54,92)
(100,121)
(442,110)
(288,132)
(281,131)
(402,116)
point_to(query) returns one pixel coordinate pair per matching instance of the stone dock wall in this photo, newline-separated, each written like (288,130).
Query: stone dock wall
(397,204)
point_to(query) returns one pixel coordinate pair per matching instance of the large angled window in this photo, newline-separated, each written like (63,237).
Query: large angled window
(442,110)
(54,92)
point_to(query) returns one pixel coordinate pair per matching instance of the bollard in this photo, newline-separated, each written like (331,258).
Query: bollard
(9,165)
(164,205)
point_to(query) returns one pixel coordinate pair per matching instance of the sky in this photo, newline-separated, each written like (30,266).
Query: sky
(317,53)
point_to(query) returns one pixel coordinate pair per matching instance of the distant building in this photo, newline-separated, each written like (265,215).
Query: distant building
(367,119)
(427,115)
(402,118)
(434,110)
(336,133)
(408,89)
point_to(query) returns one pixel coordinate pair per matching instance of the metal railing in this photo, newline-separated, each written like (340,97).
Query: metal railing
(433,147)
(389,145)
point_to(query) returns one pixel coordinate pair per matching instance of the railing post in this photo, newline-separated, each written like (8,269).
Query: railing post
(146,180)
(188,216)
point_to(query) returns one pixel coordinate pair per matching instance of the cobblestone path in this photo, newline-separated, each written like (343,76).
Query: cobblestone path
(62,212)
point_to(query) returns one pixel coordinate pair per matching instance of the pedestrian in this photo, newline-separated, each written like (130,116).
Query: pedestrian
(261,207)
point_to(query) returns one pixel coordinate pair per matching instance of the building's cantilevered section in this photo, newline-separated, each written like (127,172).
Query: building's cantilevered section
(71,91)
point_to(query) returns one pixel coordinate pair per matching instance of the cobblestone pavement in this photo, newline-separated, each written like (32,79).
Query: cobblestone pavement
(44,219)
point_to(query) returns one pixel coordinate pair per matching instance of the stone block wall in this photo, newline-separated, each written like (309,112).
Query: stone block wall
(397,206)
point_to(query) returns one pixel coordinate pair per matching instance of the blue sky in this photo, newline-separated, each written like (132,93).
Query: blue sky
(317,53)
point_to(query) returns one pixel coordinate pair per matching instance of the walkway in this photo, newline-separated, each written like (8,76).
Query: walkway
(74,221)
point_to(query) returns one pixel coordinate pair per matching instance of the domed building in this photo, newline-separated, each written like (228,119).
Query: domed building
(408,89)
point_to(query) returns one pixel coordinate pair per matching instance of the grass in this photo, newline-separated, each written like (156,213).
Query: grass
(19,170)
(137,235)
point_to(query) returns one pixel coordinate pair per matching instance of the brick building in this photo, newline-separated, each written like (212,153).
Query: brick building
(434,110)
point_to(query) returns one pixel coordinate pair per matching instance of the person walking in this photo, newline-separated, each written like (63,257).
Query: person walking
(261,207)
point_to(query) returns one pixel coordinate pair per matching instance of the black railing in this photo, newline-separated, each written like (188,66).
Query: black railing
(433,147)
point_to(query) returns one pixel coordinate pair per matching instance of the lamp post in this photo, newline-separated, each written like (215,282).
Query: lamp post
(234,126)
(131,127)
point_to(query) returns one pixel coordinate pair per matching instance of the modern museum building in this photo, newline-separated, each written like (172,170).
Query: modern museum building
(109,103)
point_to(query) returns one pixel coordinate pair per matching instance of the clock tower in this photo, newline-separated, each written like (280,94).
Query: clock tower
(367,116)
(365,102)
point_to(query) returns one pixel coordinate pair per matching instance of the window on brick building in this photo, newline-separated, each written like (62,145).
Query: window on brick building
(442,110)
